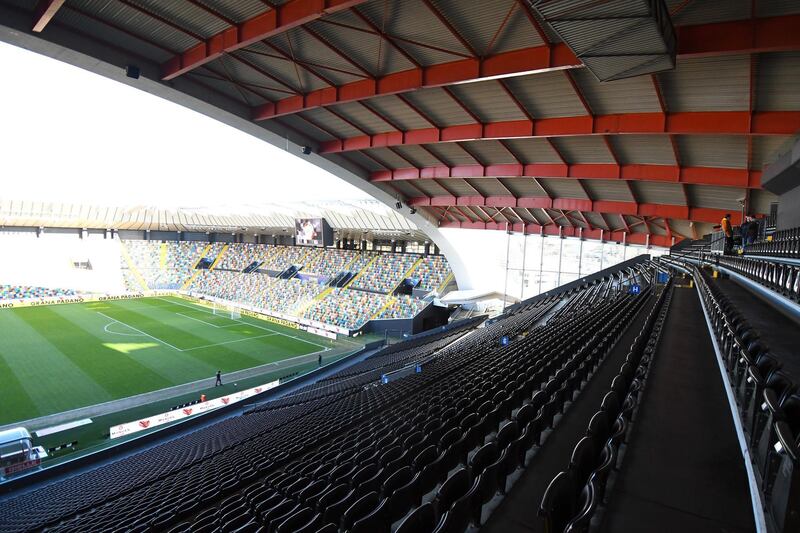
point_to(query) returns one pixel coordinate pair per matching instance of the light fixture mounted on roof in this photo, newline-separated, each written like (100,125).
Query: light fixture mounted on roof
(615,39)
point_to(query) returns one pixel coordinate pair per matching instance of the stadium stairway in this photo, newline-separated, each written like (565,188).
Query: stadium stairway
(132,266)
(195,271)
(407,275)
(389,301)
(683,468)
(219,257)
(518,511)
(360,272)
(162,256)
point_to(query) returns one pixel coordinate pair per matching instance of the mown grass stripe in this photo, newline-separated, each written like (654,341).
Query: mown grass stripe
(119,374)
(14,398)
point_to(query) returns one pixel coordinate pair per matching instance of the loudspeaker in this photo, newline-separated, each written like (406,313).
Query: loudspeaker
(132,71)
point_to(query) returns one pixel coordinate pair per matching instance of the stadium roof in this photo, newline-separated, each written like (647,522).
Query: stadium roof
(474,112)
(351,219)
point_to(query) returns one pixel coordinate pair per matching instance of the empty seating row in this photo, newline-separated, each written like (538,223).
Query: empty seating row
(574,495)
(768,403)
(783,278)
(783,243)
(471,394)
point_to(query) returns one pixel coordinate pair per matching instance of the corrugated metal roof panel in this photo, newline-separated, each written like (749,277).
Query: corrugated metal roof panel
(331,122)
(364,161)
(611,190)
(522,187)
(431,188)
(405,189)
(643,149)
(651,192)
(778,87)
(595,219)
(398,112)
(632,95)
(478,22)
(372,52)
(185,15)
(488,101)
(269,60)
(715,197)
(541,215)
(489,152)
(562,188)
(774,8)
(451,154)
(547,95)
(458,187)
(764,148)
(489,186)
(707,11)
(239,10)
(440,107)
(719,83)
(387,157)
(680,228)
(533,150)
(583,149)
(363,117)
(300,44)
(417,155)
(137,23)
(301,125)
(104,32)
(412,20)
(213,80)
(727,151)
(760,201)
(254,84)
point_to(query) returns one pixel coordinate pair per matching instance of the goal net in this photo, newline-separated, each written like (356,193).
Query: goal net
(227,310)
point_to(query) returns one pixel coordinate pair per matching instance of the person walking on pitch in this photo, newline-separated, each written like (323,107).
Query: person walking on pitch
(219,379)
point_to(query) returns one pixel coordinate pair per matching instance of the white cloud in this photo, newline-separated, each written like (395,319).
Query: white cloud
(70,135)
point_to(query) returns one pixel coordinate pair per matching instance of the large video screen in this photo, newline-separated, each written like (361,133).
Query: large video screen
(312,232)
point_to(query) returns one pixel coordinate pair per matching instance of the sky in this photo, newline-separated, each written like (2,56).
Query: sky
(71,135)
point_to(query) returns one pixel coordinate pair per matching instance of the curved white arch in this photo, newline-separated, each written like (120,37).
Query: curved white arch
(80,51)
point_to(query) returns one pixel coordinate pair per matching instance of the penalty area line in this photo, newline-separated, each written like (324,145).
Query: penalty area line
(165,343)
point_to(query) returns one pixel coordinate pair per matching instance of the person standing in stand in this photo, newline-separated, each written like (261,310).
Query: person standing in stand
(727,229)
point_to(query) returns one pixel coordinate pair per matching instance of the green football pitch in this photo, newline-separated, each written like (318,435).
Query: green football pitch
(60,357)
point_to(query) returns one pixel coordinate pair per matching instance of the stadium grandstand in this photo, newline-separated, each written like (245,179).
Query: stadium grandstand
(570,303)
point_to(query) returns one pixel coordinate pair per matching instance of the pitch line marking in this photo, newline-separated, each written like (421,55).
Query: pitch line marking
(117,332)
(139,331)
(228,342)
(198,308)
(204,322)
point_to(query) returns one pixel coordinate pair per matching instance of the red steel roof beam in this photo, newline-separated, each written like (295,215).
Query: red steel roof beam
(694,122)
(678,212)
(723,177)
(268,24)
(719,38)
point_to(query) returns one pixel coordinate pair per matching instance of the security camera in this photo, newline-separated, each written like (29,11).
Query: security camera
(306,150)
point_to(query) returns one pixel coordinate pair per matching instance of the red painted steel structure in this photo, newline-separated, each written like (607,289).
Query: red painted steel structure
(270,23)
(746,36)
(725,177)
(697,122)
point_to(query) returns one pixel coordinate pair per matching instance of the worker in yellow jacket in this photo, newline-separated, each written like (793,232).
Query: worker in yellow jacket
(727,229)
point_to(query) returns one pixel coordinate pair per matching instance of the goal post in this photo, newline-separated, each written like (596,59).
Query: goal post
(227,310)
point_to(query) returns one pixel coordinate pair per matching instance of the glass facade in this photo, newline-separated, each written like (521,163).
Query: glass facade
(537,264)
